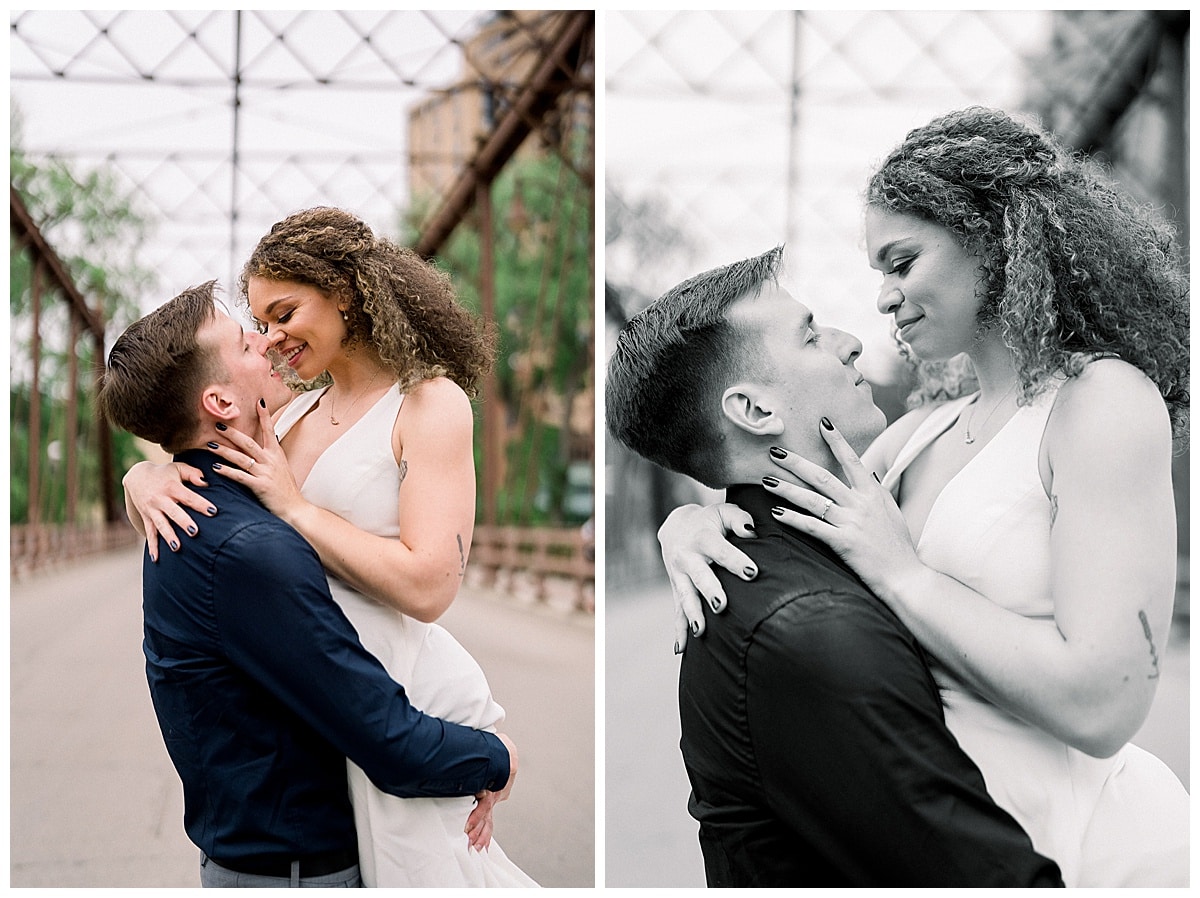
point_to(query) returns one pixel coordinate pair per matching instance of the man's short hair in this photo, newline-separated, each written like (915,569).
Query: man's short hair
(157,370)
(673,361)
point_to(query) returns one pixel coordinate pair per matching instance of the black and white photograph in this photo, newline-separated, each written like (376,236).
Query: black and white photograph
(896,329)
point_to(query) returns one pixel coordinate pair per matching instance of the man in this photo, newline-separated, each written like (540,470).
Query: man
(261,686)
(812,730)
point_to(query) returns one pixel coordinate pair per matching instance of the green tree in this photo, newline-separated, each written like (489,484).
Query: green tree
(543,302)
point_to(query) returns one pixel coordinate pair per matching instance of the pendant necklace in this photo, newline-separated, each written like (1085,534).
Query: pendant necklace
(968,439)
(337,423)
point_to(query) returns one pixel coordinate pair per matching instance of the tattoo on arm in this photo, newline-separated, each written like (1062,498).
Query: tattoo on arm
(1053,508)
(1150,639)
(462,556)
(403,470)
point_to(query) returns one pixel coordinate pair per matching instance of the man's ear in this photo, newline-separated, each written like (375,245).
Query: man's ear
(219,403)
(749,408)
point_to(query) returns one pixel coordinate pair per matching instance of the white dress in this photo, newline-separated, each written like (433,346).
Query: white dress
(1120,821)
(403,841)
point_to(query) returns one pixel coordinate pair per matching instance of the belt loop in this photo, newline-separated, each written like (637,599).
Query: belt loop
(295,883)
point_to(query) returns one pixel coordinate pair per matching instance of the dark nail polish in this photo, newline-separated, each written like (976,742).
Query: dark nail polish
(192,530)
(750,527)
(212,445)
(777,511)
(678,650)
(749,572)
(216,466)
(770,481)
(826,423)
(876,476)
(174,546)
(778,453)
(211,510)
(221,426)
(263,403)
(695,628)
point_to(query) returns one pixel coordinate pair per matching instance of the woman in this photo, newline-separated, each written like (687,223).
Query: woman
(1025,533)
(376,471)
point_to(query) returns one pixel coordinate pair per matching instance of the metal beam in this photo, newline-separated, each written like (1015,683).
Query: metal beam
(1125,79)
(553,76)
(27,231)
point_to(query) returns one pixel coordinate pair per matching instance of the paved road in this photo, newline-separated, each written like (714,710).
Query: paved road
(94,800)
(649,838)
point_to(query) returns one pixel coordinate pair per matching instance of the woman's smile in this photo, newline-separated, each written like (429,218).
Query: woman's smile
(294,353)
(303,324)
(905,328)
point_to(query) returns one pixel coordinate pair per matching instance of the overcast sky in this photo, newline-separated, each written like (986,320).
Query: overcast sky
(697,113)
(301,143)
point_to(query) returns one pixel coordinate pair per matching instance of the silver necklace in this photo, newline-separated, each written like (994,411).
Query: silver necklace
(968,439)
(337,423)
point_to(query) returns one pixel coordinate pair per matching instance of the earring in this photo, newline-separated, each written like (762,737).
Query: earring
(345,317)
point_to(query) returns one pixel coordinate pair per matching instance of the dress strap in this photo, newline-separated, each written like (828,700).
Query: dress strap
(935,424)
(295,410)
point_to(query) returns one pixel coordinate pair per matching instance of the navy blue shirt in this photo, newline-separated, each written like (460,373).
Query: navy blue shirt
(815,740)
(262,690)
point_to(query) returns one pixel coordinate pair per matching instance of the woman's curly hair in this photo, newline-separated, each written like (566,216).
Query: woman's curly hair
(1072,268)
(398,303)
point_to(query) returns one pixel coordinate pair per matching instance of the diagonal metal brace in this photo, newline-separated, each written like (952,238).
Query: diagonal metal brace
(25,229)
(550,78)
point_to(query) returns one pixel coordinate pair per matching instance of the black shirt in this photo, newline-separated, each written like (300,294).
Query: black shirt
(815,742)
(262,690)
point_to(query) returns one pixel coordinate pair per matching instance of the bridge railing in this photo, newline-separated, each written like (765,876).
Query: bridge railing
(541,558)
(33,547)
(62,462)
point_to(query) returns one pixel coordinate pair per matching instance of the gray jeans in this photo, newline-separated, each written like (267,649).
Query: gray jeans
(214,876)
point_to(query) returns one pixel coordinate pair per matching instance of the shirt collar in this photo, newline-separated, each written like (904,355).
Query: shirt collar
(758,501)
(198,458)
(204,460)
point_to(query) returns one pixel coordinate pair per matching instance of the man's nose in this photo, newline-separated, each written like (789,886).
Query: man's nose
(848,346)
(260,342)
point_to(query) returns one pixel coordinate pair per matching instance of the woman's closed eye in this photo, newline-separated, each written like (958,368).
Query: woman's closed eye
(261,326)
(901,266)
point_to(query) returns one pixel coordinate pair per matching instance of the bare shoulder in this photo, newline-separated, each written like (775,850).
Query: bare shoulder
(436,412)
(438,395)
(1110,407)
(1109,394)
(881,454)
